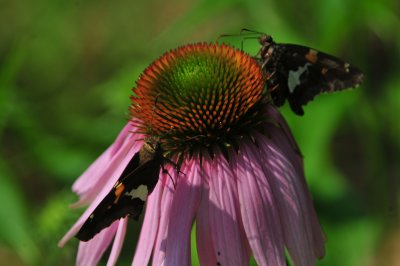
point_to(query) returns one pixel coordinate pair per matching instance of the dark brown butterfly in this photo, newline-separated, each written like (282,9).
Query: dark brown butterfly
(298,73)
(128,195)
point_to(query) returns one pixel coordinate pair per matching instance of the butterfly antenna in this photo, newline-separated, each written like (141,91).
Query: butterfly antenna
(225,36)
(245,31)
(245,34)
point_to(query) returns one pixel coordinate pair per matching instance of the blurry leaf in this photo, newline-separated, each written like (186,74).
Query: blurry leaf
(385,20)
(61,160)
(15,226)
(8,69)
(53,222)
(54,154)
(8,256)
(116,91)
(391,109)
(352,243)
(268,18)
(333,30)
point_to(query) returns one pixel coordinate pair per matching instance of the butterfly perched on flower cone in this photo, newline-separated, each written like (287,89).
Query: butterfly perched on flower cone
(128,195)
(298,73)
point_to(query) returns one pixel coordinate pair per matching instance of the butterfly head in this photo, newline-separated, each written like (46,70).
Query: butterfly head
(268,47)
(266,40)
(153,144)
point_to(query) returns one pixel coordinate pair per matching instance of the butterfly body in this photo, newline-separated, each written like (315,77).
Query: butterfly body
(129,193)
(298,73)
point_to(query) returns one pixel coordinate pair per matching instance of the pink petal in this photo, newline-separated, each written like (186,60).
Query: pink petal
(127,132)
(204,238)
(83,184)
(149,230)
(225,222)
(183,210)
(167,197)
(91,182)
(118,242)
(295,157)
(258,208)
(277,118)
(89,253)
(288,188)
(90,176)
(314,230)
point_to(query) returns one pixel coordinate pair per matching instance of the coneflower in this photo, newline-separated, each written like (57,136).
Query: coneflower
(232,167)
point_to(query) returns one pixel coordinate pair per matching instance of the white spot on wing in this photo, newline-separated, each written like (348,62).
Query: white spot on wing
(294,77)
(140,192)
(347,67)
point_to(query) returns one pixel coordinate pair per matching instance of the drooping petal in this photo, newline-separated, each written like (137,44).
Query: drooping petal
(92,181)
(89,253)
(224,214)
(273,113)
(258,208)
(115,171)
(184,206)
(94,171)
(287,184)
(204,239)
(313,227)
(125,135)
(318,235)
(118,242)
(294,155)
(85,182)
(167,197)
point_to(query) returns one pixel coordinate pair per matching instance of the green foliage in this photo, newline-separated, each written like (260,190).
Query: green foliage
(66,73)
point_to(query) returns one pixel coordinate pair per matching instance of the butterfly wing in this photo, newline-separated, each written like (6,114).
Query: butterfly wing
(127,197)
(302,73)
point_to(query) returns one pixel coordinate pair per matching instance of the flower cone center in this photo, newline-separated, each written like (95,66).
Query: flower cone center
(197,96)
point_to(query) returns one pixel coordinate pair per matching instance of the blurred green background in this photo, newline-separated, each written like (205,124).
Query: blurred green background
(66,73)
